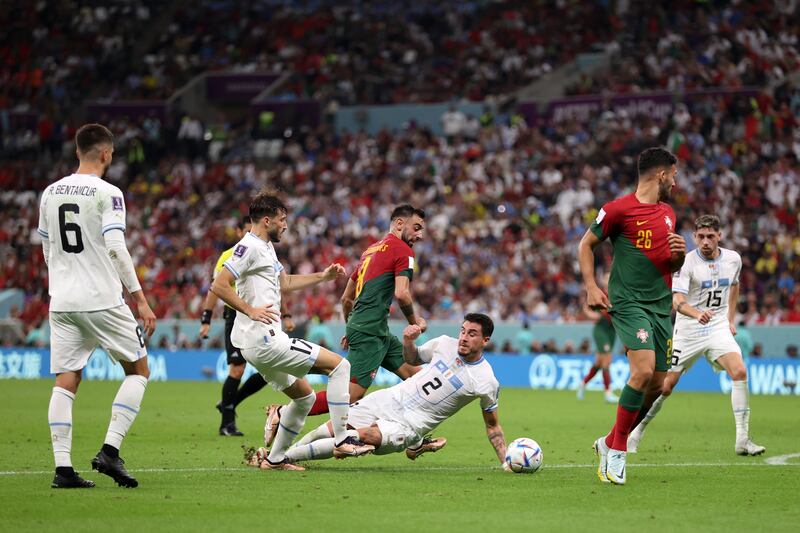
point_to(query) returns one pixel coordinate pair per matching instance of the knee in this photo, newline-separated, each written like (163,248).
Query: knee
(236,371)
(343,368)
(738,373)
(144,372)
(641,377)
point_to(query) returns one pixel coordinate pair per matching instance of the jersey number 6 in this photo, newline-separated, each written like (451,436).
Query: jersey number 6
(64,227)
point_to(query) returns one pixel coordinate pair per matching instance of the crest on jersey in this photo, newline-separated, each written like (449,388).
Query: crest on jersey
(668,222)
(642,335)
(240,250)
(116,203)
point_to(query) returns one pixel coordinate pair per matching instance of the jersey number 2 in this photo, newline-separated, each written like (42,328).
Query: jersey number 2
(65,228)
(434,384)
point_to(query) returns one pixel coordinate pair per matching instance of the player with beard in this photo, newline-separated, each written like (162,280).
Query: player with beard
(384,272)
(646,252)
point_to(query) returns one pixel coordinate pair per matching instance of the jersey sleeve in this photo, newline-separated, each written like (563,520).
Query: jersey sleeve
(404,263)
(681,278)
(427,350)
(43,228)
(113,211)
(607,222)
(489,397)
(241,260)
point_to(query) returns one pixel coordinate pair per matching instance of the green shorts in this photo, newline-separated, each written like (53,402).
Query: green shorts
(604,336)
(639,329)
(370,352)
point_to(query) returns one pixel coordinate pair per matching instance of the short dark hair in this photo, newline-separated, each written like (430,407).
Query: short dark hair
(655,157)
(487,326)
(707,221)
(90,136)
(405,211)
(266,203)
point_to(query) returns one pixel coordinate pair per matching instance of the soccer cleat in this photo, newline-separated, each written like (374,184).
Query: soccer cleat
(615,471)
(273,420)
(352,447)
(748,447)
(611,397)
(601,450)
(114,468)
(71,482)
(579,393)
(230,430)
(634,437)
(428,444)
(283,465)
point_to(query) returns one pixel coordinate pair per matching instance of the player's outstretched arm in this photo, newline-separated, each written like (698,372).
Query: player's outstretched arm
(223,289)
(495,434)
(410,351)
(682,306)
(595,297)
(297,282)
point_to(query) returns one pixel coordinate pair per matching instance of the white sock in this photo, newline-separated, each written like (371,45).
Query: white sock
(293,416)
(321,432)
(319,449)
(651,414)
(59,414)
(339,399)
(126,406)
(741,409)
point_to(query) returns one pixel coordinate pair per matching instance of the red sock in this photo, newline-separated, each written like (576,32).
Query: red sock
(320,406)
(610,437)
(606,378)
(625,421)
(590,375)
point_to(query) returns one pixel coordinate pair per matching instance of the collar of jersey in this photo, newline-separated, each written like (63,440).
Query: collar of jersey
(709,260)
(479,361)
(258,238)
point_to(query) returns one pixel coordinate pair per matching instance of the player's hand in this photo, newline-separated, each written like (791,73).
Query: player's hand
(266,314)
(343,342)
(412,332)
(423,324)
(204,330)
(677,244)
(597,300)
(333,271)
(147,316)
(733,330)
(288,324)
(705,316)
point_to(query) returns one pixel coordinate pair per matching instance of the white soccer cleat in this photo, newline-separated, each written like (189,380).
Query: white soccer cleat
(748,447)
(271,427)
(601,450)
(634,438)
(615,471)
(428,444)
(352,447)
(581,391)
(611,397)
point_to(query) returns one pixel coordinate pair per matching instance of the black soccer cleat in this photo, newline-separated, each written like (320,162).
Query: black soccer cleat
(114,468)
(230,430)
(71,482)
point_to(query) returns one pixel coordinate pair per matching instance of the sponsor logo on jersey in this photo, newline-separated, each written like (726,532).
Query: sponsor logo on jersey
(116,203)
(668,222)
(240,250)
(642,335)
(640,222)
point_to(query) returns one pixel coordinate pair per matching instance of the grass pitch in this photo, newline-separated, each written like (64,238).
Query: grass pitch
(685,478)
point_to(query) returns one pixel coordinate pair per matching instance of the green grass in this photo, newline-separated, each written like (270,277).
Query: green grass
(191,479)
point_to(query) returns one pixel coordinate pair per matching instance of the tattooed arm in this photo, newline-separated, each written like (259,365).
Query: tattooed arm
(495,434)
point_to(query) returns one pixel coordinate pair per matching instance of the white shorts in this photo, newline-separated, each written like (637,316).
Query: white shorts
(687,350)
(281,359)
(74,335)
(381,409)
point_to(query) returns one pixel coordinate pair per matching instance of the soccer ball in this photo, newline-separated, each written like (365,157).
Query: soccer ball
(524,456)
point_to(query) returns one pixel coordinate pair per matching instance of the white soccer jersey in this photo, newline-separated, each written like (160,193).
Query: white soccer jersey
(706,285)
(74,214)
(257,270)
(446,385)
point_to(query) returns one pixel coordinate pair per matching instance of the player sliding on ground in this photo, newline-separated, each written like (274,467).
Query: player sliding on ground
(704,294)
(260,278)
(398,418)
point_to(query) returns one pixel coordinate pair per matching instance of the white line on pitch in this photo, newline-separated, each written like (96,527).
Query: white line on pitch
(782,460)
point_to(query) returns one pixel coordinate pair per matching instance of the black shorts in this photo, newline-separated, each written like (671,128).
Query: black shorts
(234,355)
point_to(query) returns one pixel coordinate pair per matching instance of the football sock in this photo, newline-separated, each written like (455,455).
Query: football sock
(320,404)
(253,384)
(59,414)
(650,414)
(590,375)
(630,401)
(320,432)
(741,409)
(229,388)
(319,449)
(293,416)
(606,379)
(339,399)
(125,408)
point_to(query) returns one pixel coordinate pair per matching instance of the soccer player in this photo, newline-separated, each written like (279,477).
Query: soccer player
(260,278)
(704,293)
(604,339)
(400,417)
(232,394)
(646,252)
(82,224)
(384,272)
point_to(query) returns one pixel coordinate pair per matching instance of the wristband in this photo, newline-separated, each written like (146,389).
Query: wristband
(205,318)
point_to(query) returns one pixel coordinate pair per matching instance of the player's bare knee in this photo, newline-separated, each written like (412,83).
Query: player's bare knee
(738,373)
(236,371)
(640,378)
